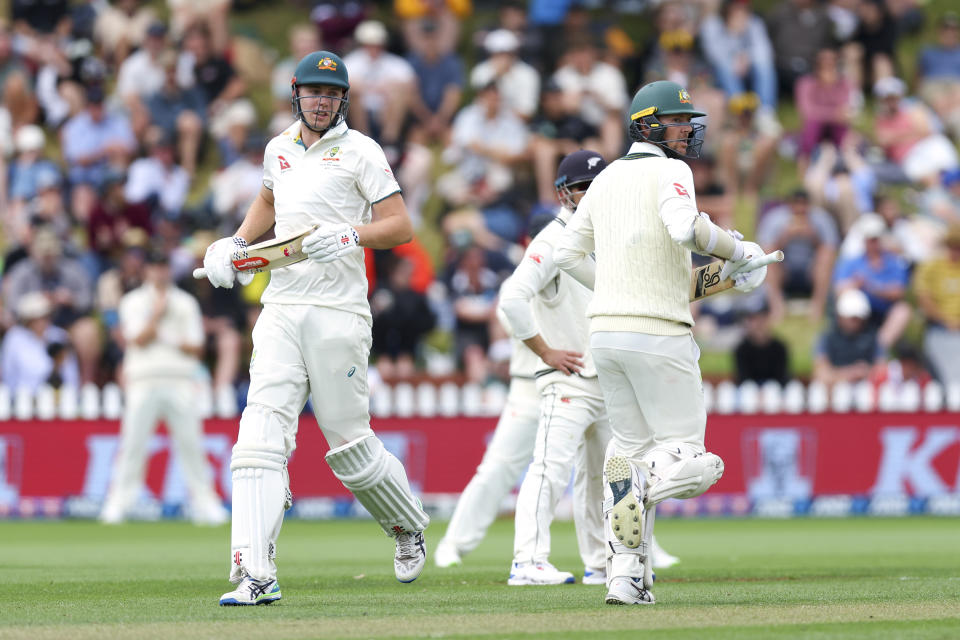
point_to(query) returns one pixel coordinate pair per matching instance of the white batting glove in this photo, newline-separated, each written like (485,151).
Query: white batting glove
(331,243)
(749,280)
(218,263)
(733,267)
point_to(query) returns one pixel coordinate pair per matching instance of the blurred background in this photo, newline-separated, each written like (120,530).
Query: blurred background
(832,132)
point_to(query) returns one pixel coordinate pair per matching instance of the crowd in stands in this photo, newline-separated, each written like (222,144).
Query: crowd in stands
(124,128)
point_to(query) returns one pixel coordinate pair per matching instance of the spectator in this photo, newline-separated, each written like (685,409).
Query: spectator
(38,18)
(16,91)
(907,133)
(674,58)
(303,39)
(67,287)
(232,128)
(235,187)
(29,168)
(596,91)
(737,47)
(809,240)
(798,29)
(205,67)
(760,356)
(122,27)
(111,220)
(35,352)
(712,194)
(156,180)
(942,201)
(849,350)
(935,285)
(883,276)
(447,14)
(938,70)
(907,365)
(381,86)
(748,141)
(141,75)
(842,181)
(210,15)
(401,318)
(825,104)
(913,238)
(518,82)
(473,290)
(180,113)
(875,40)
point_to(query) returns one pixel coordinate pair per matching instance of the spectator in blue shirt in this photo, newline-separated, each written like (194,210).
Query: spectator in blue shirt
(849,350)
(440,78)
(938,69)
(180,113)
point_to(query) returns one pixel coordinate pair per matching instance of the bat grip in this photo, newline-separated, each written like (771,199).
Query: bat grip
(761,261)
(199,273)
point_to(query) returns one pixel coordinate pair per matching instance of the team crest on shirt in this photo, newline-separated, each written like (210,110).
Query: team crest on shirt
(333,155)
(284,165)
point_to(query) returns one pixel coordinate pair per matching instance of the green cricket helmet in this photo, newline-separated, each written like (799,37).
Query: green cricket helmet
(320,68)
(664,98)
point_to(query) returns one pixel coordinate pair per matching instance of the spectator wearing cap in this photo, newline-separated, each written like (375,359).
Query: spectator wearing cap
(808,237)
(938,71)
(798,29)
(179,112)
(848,351)
(68,288)
(883,276)
(748,141)
(141,74)
(518,82)
(596,91)
(936,285)
(825,103)
(906,131)
(760,356)
(29,169)
(34,352)
(381,86)
(942,201)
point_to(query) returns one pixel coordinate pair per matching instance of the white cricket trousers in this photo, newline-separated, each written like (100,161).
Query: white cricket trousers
(174,401)
(507,455)
(652,389)
(573,432)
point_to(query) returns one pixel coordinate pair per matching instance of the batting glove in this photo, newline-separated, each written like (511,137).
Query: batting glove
(329,244)
(733,267)
(749,280)
(218,263)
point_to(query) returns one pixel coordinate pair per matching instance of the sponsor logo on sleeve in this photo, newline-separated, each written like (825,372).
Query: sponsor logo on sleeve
(284,165)
(681,190)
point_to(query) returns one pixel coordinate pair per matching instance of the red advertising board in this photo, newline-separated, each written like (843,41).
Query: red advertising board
(766,456)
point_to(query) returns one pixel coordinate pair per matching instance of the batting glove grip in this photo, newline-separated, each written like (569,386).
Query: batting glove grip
(331,243)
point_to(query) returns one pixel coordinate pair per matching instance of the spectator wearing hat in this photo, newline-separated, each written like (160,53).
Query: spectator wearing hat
(518,82)
(29,169)
(808,237)
(760,356)
(849,350)
(34,352)
(938,71)
(825,103)
(381,86)
(157,180)
(906,131)
(179,112)
(936,285)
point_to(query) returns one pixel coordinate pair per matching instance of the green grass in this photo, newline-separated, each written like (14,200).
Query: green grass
(854,578)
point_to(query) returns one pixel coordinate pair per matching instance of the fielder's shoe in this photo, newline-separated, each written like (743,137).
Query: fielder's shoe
(660,557)
(410,557)
(594,576)
(251,591)
(528,573)
(626,518)
(628,591)
(446,555)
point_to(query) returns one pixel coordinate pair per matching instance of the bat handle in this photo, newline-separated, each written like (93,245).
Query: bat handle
(199,273)
(762,261)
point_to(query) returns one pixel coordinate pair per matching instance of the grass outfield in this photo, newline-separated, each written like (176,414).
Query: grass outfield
(852,578)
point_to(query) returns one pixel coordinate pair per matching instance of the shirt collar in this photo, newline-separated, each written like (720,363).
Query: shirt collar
(647,147)
(333,132)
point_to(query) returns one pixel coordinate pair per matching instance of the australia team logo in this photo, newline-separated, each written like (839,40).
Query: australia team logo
(332,155)
(327,64)
(684,96)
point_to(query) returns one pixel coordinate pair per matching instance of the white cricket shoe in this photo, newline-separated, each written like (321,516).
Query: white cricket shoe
(250,592)
(530,573)
(660,558)
(594,576)
(626,517)
(446,555)
(628,591)
(410,556)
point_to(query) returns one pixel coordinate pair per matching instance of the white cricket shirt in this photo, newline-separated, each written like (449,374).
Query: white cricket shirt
(180,324)
(335,181)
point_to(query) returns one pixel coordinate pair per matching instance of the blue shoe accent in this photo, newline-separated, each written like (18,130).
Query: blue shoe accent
(570,580)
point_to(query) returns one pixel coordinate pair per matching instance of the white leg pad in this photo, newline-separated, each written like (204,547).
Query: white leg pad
(680,471)
(379,482)
(622,561)
(259,491)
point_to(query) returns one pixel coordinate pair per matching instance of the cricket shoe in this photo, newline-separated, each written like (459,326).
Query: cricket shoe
(625,590)
(530,573)
(446,555)
(661,559)
(410,557)
(626,517)
(251,591)
(594,576)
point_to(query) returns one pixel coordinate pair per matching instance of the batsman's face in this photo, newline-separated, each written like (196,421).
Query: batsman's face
(320,103)
(678,132)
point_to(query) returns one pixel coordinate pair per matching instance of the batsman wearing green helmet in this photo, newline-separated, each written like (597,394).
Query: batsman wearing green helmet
(640,220)
(313,337)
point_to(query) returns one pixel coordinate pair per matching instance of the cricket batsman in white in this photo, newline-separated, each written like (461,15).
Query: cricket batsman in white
(313,335)
(641,219)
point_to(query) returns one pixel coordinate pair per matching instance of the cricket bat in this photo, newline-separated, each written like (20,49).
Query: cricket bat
(267,255)
(705,281)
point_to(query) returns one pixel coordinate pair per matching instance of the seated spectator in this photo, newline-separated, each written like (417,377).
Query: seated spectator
(141,75)
(906,365)
(596,91)
(913,238)
(712,194)
(29,168)
(234,188)
(473,288)
(122,27)
(941,202)
(211,15)
(798,29)
(760,356)
(381,87)
(35,352)
(111,220)
(748,141)
(67,287)
(401,319)
(736,45)
(232,128)
(447,14)
(825,103)
(156,180)
(883,276)
(875,40)
(907,133)
(809,240)
(849,350)
(935,285)
(303,39)
(518,82)
(938,68)
(180,113)
(842,181)
(16,85)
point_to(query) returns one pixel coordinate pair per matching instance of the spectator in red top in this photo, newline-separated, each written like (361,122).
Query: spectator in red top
(111,218)
(825,103)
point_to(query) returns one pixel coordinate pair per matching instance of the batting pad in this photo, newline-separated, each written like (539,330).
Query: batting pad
(379,482)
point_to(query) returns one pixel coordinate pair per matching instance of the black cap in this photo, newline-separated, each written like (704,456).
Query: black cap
(580,166)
